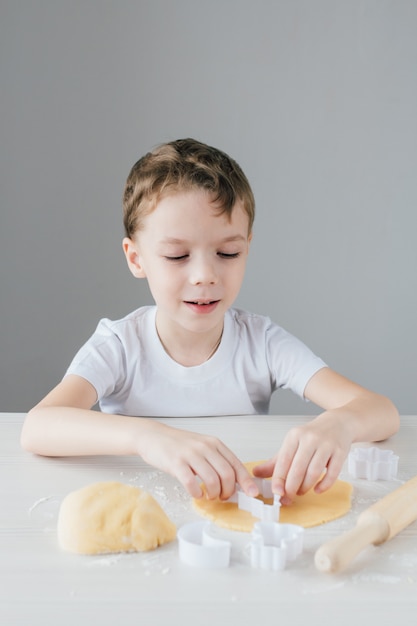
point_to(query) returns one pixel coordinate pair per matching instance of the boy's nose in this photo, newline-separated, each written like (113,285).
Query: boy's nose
(203,273)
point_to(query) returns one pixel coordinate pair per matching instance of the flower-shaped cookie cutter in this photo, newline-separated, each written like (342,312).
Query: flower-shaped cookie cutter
(198,548)
(372,463)
(273,545)
(256,507)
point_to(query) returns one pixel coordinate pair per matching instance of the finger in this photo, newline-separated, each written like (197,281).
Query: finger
(297,472)
(333,470)
(210,478)
(315,469)
(227,474)
(242,476)
(189,481)
(245,480)
(283,465)
(219,471)
(264,470)
(198,466)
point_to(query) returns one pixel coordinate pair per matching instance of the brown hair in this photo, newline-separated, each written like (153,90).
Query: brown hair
(183,165)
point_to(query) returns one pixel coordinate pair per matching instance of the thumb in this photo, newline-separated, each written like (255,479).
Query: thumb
(264,470)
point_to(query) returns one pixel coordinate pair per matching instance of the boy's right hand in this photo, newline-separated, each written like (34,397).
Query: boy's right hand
(187,455)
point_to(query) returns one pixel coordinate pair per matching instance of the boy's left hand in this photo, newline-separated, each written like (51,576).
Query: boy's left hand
(311,455)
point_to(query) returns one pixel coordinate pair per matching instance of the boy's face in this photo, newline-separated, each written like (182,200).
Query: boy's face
(193,258)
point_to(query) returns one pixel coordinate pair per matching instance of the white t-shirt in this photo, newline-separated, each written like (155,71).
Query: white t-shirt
(126,363)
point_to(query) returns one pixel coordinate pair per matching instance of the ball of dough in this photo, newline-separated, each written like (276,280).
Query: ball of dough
(111,517)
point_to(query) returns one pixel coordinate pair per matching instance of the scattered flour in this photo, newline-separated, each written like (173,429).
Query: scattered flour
(39,502)
(376,578)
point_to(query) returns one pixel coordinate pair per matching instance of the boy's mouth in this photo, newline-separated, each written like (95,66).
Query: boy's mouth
(202,302)
(200,307)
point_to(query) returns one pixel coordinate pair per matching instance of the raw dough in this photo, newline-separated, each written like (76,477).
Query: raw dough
(308,510)
(110,517)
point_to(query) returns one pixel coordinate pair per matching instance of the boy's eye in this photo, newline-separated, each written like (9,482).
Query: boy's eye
(176,258)
(225,255)
(183,257)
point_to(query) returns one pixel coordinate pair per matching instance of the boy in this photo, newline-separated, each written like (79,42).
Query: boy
(188,215)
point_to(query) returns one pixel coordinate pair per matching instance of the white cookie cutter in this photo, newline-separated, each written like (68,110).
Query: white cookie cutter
(273,545)
(372,463)
(258,508)
(199,549)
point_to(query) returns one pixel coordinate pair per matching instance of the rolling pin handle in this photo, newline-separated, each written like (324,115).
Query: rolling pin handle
(335,555)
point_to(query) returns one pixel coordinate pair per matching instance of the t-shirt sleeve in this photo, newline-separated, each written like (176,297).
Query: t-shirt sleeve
(101,361)
(291,362)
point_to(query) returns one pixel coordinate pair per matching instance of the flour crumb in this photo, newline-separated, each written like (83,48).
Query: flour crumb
(106,562)
(38,502)
(377,578)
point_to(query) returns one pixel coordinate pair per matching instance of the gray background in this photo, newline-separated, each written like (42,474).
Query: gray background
(317,100)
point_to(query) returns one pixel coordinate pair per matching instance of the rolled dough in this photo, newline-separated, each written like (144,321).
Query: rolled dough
(109,517)
(308,510)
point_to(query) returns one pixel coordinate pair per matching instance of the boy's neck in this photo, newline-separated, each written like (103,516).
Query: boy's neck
(187,348)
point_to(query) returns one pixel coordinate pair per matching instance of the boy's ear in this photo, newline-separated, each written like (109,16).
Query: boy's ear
(249,240)
(132,257)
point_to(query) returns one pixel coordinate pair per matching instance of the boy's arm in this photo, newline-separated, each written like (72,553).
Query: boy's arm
(63,424)
(351,414)
(370,416)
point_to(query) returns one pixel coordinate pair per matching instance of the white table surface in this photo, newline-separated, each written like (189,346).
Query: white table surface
(40,584)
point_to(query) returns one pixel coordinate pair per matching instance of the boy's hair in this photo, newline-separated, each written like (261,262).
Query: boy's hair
(183,165)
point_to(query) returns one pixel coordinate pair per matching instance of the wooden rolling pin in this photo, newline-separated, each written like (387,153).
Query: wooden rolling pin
(375,525)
